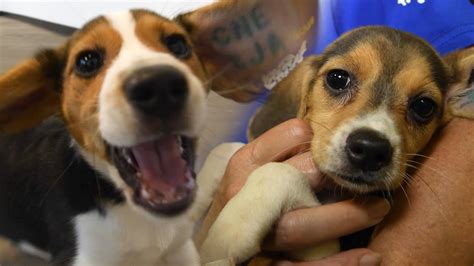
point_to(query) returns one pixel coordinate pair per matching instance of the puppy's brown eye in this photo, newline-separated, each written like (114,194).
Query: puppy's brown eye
(177,44)
(422,109)
(88,63)
(338,80)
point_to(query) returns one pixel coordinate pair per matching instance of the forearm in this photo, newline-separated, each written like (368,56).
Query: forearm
(435,225)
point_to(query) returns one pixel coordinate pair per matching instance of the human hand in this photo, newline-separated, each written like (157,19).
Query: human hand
(290,142)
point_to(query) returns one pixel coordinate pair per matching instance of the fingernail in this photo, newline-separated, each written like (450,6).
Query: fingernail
(373,259)
(378,208)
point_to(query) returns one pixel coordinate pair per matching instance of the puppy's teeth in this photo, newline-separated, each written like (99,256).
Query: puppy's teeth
(145,194)
(178,139)
(190,183)
(139,175)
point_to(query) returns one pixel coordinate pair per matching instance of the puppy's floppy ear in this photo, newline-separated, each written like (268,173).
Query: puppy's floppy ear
(30,91)
(241,42)
(460,95)
(287,100)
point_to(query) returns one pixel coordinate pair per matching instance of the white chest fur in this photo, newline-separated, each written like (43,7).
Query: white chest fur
(128,235)
(125,236)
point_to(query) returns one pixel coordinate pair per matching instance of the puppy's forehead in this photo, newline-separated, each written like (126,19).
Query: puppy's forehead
(136,23)
(143,20)
(389,59)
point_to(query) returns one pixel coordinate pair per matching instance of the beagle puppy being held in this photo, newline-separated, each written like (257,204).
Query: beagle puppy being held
(373,99)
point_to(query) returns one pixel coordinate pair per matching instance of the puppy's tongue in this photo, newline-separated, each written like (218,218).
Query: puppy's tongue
(162,168)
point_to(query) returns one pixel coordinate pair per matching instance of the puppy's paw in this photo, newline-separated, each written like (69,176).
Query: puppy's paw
(230,242)
(270,190)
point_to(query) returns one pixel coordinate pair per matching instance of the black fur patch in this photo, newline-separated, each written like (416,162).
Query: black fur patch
(53,63)
(44,184)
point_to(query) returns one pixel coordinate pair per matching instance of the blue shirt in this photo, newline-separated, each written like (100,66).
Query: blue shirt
(446,24)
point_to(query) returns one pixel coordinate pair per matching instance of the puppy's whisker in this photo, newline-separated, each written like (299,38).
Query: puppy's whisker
(99,189)
(432,169)
(320,124)
(404,192)
(56,181)
(408,180)
(218,74)
(436,197)
(305,151)
(422,156)
(387,186)
(235,89)
(408,165)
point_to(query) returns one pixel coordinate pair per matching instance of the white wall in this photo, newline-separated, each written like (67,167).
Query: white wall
(76,12)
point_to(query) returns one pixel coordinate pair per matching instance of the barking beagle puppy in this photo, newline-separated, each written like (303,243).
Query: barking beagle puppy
(99,135)
(374,99)
(110,180)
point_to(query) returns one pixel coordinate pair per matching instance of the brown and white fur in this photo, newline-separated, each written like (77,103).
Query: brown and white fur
(374,99)
(124,93)
(126,83)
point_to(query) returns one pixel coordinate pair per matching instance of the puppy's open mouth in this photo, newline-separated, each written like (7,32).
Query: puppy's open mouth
(159,172)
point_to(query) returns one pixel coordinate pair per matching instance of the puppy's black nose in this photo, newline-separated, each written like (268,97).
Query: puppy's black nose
(367,150)
(157,90)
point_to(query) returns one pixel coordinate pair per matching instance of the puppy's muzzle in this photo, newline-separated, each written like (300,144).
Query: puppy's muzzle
(157,91)
(368,151)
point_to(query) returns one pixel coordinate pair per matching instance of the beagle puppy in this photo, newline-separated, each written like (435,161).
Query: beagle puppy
(98,136)
(373,99)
